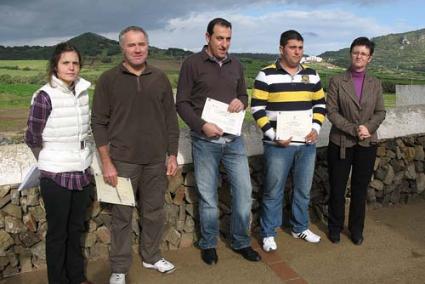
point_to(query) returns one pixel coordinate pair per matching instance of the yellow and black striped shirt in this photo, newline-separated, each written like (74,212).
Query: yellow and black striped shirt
(276,90)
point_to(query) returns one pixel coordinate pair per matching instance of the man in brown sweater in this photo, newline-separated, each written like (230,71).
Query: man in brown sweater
(213,73)
(135,128)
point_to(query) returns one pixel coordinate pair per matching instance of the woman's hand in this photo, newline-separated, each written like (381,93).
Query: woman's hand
(363,132)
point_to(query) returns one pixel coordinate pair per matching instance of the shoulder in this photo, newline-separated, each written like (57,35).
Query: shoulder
(111,73)
(373,79)
(234,59)
(338,77)
(269,69)
(308,71)
(42,97)
(155,70)
(157,73)
(193,58)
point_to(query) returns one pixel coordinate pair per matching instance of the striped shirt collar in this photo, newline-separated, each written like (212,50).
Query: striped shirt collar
(279,67)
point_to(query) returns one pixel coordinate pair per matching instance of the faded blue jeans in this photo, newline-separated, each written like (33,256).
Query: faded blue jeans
(206,158)
(278,163)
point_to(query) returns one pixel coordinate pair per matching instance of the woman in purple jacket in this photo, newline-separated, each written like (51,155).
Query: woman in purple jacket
(355,107)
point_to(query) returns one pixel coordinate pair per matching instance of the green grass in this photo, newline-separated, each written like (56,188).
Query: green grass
(13,96)
(389,100)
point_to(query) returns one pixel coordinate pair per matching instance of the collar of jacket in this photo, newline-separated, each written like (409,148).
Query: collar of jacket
(205,56)
(80,85)
(148,69)
(348,86)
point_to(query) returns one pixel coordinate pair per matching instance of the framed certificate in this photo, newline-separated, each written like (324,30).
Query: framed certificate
(296,124)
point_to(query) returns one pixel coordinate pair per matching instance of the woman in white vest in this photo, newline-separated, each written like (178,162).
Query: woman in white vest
(58,127)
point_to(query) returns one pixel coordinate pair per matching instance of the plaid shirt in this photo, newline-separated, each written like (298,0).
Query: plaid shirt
(39,113)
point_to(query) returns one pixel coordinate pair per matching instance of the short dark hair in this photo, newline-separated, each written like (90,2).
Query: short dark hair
(54,59)
(217,21)
(363,41)
(134,29)
(288,35)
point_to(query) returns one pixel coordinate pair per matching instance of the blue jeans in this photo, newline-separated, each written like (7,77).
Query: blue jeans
(278,163)
(206,158)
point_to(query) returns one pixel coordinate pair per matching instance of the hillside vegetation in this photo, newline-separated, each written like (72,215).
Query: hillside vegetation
(403,52)
(399,59)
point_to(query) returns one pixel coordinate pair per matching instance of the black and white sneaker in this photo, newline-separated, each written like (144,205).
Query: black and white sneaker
(307,235)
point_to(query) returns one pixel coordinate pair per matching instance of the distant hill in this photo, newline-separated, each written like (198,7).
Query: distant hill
(403,51)
(94,45)
(90,45)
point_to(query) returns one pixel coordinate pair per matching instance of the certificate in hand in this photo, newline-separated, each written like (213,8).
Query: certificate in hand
(121,194)
(216,112)
(296,124)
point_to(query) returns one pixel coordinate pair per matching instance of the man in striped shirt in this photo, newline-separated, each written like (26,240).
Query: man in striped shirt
(287,86)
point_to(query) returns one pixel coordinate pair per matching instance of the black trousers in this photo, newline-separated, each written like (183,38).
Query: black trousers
(361,160)
(65,214)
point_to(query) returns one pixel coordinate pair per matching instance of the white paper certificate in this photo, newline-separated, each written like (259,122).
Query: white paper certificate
(295,124)
(31,179)
(216,112)
(122,194)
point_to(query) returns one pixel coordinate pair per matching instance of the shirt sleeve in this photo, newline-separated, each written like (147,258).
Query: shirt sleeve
(171,119)
(319,105)
(39,113)
(242,93)
(183,101)
(100,116)
(259,100)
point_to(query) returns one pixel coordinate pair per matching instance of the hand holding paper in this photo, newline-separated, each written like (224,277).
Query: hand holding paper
(217,113)
(295,124)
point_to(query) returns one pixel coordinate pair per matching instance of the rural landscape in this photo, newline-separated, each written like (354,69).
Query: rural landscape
(398,59)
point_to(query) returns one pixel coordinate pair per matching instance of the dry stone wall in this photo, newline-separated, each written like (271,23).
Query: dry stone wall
(398,178)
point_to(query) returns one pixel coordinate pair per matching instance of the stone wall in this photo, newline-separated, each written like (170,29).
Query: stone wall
(398,178)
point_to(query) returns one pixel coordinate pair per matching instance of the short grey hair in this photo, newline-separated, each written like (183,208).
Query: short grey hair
(132,28)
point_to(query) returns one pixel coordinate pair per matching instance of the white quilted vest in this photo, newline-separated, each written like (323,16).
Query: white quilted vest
(65,147)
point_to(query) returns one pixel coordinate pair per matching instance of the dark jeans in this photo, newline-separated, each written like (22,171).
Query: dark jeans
(65,214)
(361,160)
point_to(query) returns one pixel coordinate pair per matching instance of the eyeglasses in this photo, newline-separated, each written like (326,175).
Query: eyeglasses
(361,54)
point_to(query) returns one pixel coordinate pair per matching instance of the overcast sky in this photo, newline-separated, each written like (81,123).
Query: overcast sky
(257,25)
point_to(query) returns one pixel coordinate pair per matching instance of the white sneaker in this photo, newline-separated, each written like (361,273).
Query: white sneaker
(269,244)
(117,278)
(162,265)
(307,235)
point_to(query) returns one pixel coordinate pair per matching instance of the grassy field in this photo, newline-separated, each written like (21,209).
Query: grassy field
(19,79)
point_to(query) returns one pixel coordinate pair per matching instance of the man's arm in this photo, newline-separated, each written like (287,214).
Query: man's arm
(183,99)
(110,174)
(99,124)
(242,94)
(171,120)
(319,109)
(260,96)
(100,115)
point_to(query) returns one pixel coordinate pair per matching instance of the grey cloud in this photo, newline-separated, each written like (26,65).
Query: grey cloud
(33,19)
(49,18)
